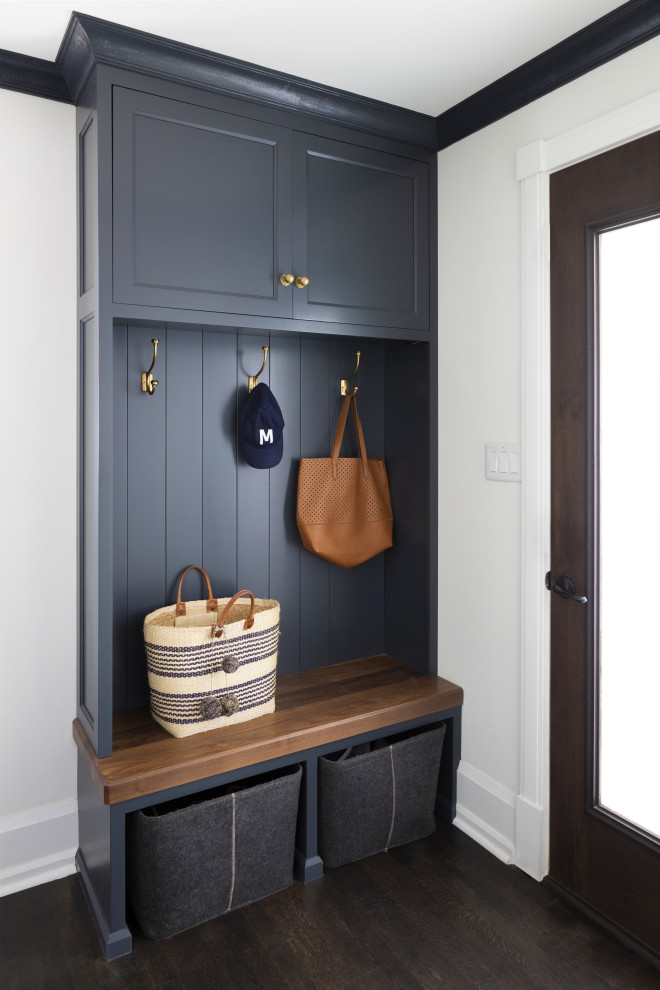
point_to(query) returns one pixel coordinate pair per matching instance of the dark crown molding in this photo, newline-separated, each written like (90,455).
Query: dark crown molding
(619,31)
(35,76)
(90,41)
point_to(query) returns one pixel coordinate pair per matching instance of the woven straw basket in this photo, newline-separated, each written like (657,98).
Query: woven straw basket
(211,663)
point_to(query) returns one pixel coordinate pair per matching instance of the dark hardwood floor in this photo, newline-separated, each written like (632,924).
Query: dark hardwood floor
(437,913)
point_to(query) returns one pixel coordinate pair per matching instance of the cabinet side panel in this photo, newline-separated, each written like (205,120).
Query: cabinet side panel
(284,357)
(219,548)
(120,640)
(407,563)
(184,463)
(314,442)
(88,701)
(88,200)
(146,584)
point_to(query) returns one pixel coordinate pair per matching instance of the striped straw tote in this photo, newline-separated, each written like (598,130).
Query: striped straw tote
(211,663)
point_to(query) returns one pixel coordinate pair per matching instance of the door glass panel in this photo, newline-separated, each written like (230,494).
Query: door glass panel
(629,325)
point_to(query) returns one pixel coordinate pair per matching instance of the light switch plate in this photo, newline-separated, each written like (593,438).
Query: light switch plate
(503,462)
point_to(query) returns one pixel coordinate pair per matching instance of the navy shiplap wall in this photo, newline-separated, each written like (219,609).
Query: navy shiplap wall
(183,493)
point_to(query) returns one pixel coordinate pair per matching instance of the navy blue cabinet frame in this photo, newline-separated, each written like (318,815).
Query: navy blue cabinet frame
(401,428)
(206,352)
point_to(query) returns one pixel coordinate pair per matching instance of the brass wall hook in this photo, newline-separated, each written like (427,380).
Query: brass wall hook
(345,381)
(253,380)
(148,381)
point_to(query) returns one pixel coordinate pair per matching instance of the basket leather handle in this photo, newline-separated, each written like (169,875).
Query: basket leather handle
(249,622)
(351,401)
(211,602)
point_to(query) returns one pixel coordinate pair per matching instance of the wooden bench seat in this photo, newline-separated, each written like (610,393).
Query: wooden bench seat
(313,708)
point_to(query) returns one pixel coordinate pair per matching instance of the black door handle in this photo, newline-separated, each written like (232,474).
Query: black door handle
(565,586)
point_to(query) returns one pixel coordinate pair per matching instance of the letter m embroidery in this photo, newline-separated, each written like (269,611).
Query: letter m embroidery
(265,436)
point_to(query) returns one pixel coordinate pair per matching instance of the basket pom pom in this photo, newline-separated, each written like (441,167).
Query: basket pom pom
(229,664)
(229,704)
(211,708)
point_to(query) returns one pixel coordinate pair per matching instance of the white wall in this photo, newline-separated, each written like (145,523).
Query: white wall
(38,828)
(480,388)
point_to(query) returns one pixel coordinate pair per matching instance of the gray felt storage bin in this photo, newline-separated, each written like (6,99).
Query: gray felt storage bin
(378,795)
(191,860)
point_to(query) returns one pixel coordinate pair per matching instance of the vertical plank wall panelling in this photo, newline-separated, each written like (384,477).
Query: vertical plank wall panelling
(406,565)
(146,518)
(284,578)
(314,572)
(184,493)
(120,521)
(219,452)
(252,485)
(344,593)
(369,633)
(183,462)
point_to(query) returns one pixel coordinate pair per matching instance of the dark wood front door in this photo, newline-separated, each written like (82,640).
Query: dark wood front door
(606,861)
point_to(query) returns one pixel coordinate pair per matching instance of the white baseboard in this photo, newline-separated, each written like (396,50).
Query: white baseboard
(486,811)
(37,846)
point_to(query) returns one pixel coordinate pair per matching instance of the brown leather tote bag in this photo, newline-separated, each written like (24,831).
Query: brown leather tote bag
(344,509)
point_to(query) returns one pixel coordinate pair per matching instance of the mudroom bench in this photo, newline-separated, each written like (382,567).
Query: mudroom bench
(231,219)
(318,711)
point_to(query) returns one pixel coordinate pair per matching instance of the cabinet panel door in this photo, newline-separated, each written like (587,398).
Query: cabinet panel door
(361,235)
(202,208)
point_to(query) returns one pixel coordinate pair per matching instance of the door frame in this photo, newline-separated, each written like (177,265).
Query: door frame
(535,163)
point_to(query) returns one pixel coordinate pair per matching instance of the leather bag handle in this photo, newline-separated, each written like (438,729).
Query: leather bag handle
(249,622)
(339,435)
(211,602)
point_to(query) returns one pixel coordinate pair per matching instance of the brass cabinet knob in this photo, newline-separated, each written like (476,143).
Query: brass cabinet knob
(286,279)
(302,281)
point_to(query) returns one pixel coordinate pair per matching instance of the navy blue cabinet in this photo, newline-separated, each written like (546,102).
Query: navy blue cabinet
(210,209)
(193,205)
(360,234)
(201,208)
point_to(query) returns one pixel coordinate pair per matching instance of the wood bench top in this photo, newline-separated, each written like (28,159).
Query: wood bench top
(313,707)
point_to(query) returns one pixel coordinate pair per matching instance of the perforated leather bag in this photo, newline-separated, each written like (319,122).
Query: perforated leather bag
(344,509)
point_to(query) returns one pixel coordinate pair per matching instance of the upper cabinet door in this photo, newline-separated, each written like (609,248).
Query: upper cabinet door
(202,208)
(361,235)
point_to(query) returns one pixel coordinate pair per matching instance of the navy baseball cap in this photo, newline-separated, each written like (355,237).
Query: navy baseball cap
(260,428)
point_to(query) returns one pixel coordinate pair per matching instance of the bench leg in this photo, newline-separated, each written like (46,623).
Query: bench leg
(101,864)
(308,864)
(451,756)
